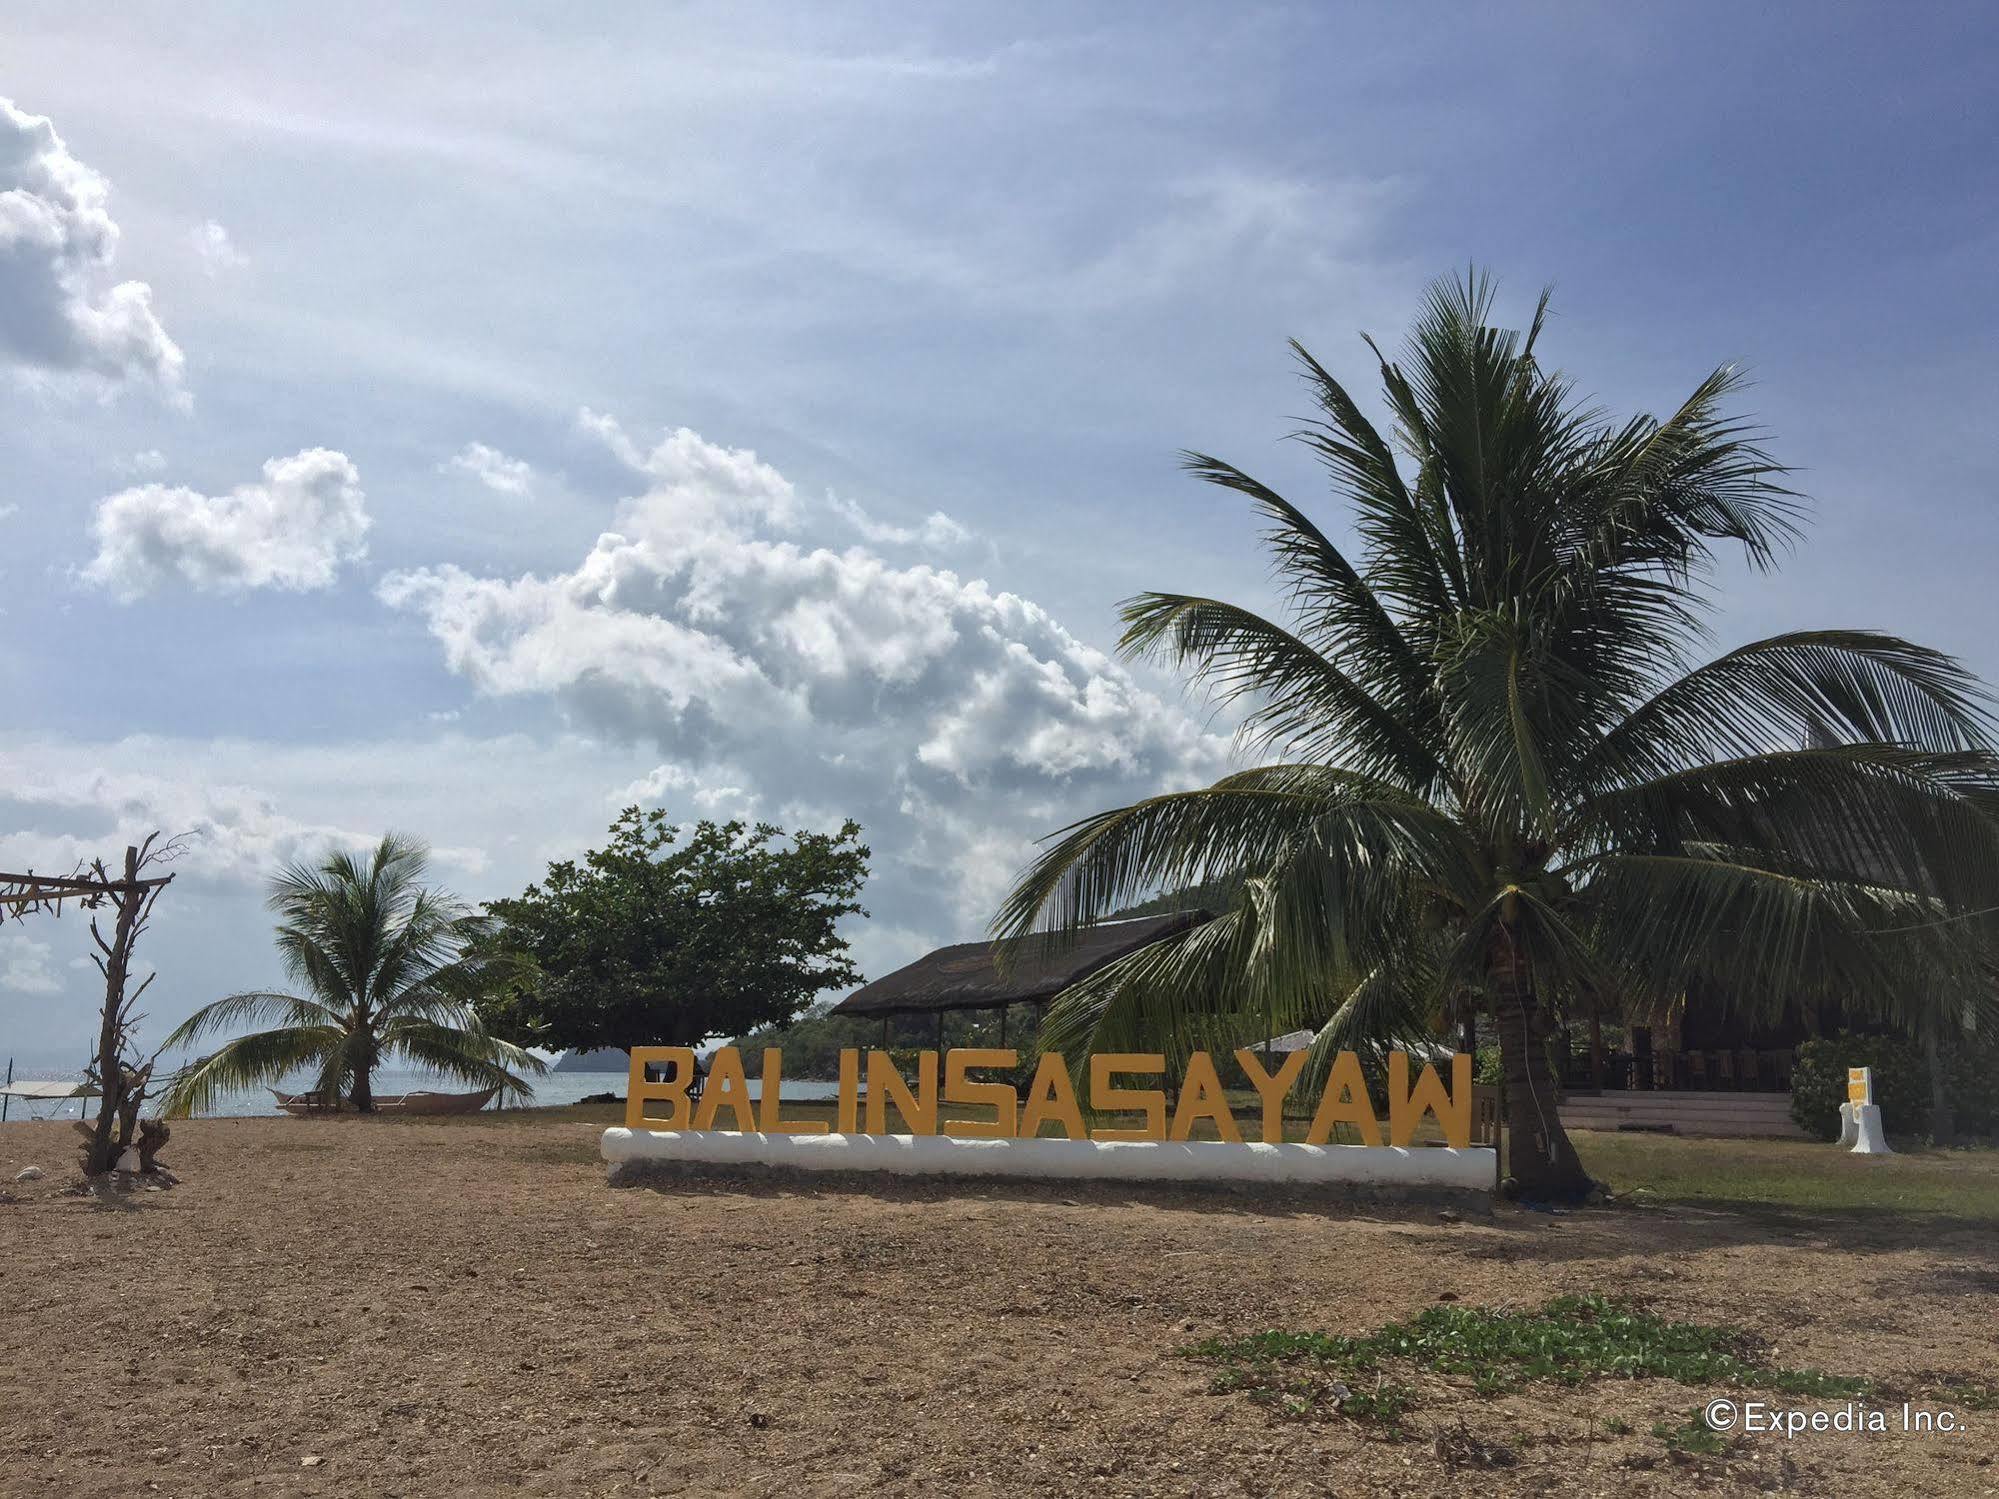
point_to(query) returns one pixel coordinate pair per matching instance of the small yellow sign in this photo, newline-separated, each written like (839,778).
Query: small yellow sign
(1859,1085)
(1051,1098)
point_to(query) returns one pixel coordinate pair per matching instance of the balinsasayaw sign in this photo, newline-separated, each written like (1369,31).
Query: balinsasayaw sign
(1128,1085)
(1119,1121)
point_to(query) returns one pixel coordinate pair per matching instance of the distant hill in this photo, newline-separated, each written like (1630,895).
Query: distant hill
(602,1059)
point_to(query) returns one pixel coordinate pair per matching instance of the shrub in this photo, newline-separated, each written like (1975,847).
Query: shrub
(1901,1082)
(1971,1081)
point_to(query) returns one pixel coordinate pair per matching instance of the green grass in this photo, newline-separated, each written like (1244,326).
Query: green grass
(1961,1185)
(1571,1340)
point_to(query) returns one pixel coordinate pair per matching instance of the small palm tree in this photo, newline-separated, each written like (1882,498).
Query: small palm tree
(1503,786)
(387,969)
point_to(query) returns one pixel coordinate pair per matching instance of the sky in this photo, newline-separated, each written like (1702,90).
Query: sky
(421,420)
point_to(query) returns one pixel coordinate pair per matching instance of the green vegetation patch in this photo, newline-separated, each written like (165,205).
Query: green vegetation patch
(1693,1435)
(1571,1340)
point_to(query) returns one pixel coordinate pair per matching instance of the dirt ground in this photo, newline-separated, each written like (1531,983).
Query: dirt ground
(464,1307)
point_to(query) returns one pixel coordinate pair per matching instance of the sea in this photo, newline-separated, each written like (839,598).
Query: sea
(552,1091)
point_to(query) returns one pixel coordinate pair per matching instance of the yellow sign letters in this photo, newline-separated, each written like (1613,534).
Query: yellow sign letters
(1051,1098)
(1859,1085)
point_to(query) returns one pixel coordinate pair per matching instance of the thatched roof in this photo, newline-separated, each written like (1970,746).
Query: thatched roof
(964,977)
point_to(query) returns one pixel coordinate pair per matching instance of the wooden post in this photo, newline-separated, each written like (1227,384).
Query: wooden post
(4,1099)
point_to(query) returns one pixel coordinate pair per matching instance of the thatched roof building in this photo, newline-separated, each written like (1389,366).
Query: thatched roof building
(966,976)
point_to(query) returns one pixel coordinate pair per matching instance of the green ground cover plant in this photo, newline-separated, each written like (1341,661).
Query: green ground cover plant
(1570,1340)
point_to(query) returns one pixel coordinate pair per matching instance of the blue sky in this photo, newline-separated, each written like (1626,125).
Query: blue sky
(464,426)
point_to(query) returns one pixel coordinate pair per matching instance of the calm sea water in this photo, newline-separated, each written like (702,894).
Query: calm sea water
(552,1091)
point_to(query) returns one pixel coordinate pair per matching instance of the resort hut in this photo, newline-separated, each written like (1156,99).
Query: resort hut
(966,976)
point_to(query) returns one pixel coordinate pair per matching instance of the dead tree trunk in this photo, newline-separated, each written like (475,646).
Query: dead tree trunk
(121,1085)
(117,958)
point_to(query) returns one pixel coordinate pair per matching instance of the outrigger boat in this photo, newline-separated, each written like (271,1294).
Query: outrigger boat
(301,1105)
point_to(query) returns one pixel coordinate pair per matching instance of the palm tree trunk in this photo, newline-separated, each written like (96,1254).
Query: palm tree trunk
(1943,1122)
(1540,1159)
(363,1094)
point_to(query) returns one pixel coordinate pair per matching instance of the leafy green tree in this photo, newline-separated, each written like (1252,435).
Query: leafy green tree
(1500,782)
(669,935)
(812,1042)
(387,966)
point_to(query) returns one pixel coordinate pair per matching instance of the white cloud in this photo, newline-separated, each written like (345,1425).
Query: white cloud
(24,965)
(711,792)
(492,468)
(61,313)
(938,532)
(293,529)
(217,250)
(954,720)
(234,833)
(699,488)
(147,461)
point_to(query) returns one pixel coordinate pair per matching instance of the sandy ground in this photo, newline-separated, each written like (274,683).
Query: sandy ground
(466,1308)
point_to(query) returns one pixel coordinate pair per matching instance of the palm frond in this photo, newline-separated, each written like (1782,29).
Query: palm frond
(1308,706)
(245,1008)
(464,1052)
(247,1062)
(1767,938)
(1922,821)
(1841,686)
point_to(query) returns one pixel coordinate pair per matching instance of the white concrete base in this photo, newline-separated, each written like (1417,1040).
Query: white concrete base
(1867,1122)
(1211,1161)
(1849,1127)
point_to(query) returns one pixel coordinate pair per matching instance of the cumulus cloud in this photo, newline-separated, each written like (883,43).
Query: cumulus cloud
(492,468)
(939,532)
(24,965)
(293,530)
(234,833)
(954,719)
(217,250)
(61,311)
(711,793)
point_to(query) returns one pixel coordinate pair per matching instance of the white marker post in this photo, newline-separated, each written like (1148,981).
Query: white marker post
(1864,1114)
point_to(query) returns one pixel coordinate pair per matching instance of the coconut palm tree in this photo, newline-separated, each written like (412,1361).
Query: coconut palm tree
(1499,783)
(386,971)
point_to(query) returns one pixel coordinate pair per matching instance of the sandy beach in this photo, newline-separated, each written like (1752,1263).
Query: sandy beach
(464,1307)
